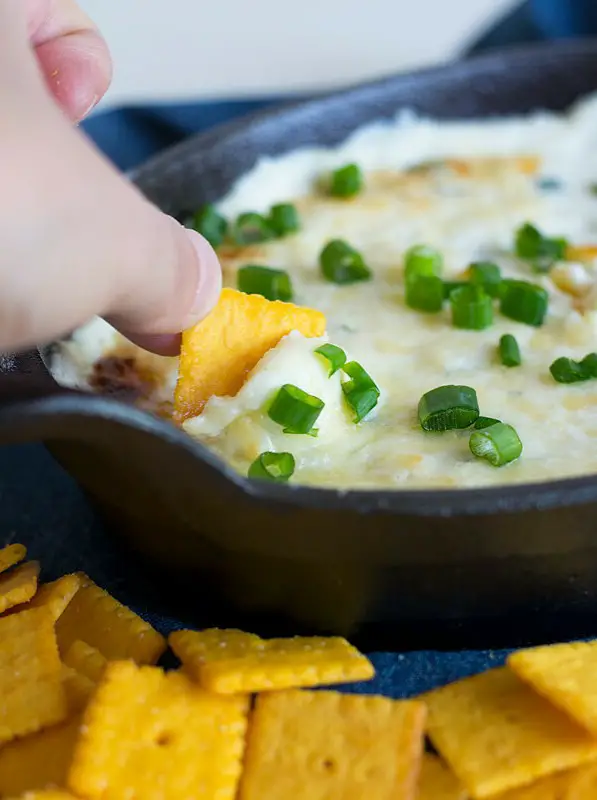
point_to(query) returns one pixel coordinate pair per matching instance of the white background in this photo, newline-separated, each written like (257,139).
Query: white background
(182,49)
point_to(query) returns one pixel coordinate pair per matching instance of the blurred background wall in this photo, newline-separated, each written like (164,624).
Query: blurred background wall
(181,49)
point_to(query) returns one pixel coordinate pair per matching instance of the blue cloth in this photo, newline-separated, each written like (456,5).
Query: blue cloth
(41,506)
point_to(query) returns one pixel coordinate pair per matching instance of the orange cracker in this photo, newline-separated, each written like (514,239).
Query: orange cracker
(226,663)
(11,555)
(49,794)
(305,745)
(86,660)
(31,691)
(78,688)
(95,617)
(496,733)
(145,728)
(38,761)
(554,787)
(436,782)
(218,353)
(565,675)
(57,594)
(18,586)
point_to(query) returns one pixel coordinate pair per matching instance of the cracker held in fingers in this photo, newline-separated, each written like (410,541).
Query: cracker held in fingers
(219,352)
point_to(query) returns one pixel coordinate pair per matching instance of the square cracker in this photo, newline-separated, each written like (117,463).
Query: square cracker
(226,662)
(496,733)
(86,660)
(38,761)
(436,782)
(56,595)
(18,586)
(145,728)
(318,745)
(11,555)
(78,688)
(219,352)
(47,794)
(565,675)
(31,691)
(95,617)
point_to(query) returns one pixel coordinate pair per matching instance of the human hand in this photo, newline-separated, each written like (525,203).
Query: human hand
(76,239)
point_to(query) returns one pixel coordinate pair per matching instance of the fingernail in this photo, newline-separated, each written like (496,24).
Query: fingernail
(209,281)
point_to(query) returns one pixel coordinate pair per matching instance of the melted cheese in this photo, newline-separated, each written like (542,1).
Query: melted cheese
(469,211)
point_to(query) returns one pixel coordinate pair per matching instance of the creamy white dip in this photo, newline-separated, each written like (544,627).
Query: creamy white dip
(469,217)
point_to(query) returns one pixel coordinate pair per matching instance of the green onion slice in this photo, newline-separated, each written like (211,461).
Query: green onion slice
(509,351)
(486,275)
(346,181)
(422,260)
(335,356)
(549,184)
(589,365)
(274,284)
(523,302)
(284,219)
(485,422)
(566,370)
(342,264)
(270,466)
(541,251)
(210,224)
(295,410)
(251,228)
(361,391)
(472,308)
(499,444)
(425,293)
(451,286)
(448,408)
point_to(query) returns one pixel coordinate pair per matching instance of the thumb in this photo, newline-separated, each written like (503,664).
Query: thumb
(97,246)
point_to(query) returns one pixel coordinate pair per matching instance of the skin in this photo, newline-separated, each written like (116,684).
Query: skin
(76,239)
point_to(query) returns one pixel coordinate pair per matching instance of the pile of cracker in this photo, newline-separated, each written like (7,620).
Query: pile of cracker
(85,713)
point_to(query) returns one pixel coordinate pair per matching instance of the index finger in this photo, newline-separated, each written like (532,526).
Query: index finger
(72,54)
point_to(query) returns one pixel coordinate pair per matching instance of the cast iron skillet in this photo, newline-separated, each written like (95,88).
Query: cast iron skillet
(381,564)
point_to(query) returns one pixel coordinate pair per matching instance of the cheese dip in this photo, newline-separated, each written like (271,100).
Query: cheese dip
(463,188)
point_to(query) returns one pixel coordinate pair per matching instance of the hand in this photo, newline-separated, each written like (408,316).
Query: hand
(76,239)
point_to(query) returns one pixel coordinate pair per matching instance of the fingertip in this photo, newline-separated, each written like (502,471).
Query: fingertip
(209,279)
(77,69)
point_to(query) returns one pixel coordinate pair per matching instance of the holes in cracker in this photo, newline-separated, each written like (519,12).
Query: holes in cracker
(164,739)
(330,765)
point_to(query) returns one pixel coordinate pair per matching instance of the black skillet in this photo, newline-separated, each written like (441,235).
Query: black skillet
(386,565)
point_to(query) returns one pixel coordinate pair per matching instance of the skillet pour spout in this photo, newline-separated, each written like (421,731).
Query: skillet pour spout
(392,569)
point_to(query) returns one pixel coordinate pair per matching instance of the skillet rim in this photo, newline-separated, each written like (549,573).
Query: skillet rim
(484,500)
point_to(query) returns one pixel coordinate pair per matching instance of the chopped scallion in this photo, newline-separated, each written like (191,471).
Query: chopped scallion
(498,444)
(566,370)
(589,364)
(424,293)
(335,356)
(251,228)
(523,302)
(450,286)
(487,275)
(541,251)
(295,410)
(448,408)
(472,308)
(361,391)
(509,351)
(485,422)
(422,261)
(284,219)
(274,284)
(342,264)
(278,467)
(210,225)
(346,181)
